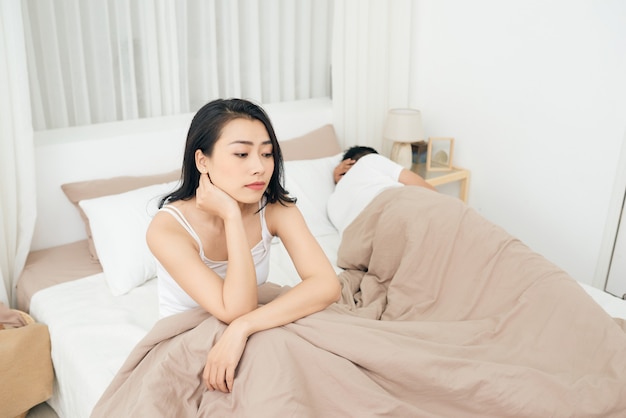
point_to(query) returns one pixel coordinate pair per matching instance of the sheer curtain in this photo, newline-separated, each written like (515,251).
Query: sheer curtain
(92,61)
(374,44)
(17,169)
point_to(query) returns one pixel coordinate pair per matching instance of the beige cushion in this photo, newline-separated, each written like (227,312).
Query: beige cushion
(319,143)
(91,189)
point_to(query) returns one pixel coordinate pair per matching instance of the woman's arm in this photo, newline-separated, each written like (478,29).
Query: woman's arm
(178,253)
(319,288)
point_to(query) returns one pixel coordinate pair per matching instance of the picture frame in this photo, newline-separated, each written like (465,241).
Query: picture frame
(439,154)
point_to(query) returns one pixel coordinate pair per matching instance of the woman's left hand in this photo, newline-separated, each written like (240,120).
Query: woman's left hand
(223,358)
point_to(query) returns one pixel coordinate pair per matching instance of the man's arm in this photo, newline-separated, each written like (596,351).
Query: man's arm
(409,178)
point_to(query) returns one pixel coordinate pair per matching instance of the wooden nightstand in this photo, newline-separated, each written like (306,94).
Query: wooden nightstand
(437,178)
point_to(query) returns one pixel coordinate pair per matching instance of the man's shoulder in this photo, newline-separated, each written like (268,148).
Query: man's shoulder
(378,161)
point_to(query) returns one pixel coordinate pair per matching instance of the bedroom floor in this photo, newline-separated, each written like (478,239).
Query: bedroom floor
(42,411)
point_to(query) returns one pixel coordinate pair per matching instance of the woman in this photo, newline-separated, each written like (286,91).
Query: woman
(212,236)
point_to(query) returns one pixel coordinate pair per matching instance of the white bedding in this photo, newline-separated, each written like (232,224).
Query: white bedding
(614,306)
(92,332)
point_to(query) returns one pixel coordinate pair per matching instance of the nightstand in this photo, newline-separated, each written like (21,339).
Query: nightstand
(437,178)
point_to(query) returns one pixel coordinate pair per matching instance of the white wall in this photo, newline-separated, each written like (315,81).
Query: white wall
(535,94)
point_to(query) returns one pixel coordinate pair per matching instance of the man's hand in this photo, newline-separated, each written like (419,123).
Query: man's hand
(342,168)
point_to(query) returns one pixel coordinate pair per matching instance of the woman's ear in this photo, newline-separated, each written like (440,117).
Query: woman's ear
(201,162)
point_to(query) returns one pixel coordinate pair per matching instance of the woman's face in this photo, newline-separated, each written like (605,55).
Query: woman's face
(242,162)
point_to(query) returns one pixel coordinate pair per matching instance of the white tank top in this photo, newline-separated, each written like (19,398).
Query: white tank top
(173,299)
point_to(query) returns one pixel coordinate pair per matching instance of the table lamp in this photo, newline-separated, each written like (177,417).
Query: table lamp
(403,127)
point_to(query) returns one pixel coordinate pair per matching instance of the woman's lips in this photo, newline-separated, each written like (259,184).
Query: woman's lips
(259,185)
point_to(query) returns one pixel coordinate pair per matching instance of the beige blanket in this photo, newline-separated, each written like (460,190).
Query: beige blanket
(443,315)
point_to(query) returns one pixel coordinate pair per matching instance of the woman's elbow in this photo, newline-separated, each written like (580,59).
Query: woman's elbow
(334,291)
(227,316)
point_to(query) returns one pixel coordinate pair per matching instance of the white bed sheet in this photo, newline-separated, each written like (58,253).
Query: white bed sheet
(613,305)
(92,333)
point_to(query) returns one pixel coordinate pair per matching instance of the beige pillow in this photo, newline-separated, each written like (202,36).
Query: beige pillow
(90,189)
(319,143)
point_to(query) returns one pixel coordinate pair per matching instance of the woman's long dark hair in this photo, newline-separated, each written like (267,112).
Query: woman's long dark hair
(204,131)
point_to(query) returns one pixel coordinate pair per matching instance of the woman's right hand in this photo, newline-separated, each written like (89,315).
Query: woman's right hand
(213,200)
(223,358)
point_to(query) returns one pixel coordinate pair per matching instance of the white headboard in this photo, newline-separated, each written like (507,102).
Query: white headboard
(137,147)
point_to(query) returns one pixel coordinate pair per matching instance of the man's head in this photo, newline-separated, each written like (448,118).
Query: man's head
(350,157)
(356,152)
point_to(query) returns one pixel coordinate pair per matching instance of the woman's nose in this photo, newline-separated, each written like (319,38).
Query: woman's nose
(257,164)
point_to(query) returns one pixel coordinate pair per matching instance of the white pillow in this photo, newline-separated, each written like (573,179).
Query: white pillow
(118,224)
(311,182)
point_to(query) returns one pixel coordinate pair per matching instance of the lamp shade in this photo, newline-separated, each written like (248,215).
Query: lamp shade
(404,125)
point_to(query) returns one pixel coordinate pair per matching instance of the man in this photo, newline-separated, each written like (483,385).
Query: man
(360,177)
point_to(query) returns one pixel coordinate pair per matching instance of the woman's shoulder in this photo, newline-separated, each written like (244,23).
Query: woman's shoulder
(169,215)
(280,213)
(279,207)
(170,225)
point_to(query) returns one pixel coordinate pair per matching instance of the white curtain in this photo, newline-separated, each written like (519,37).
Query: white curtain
(373,69)
(93,61)
(17,169)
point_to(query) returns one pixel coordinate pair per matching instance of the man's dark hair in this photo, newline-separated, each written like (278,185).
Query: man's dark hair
(356,152)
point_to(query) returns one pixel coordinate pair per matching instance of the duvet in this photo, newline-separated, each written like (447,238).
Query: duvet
(442,314)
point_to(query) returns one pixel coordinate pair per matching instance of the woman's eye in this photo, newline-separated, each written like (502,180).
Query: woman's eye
(268,155)
(241,154)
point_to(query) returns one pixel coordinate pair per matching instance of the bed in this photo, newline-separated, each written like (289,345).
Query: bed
(477,324)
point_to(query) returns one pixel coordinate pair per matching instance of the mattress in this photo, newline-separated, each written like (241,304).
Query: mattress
(92,332)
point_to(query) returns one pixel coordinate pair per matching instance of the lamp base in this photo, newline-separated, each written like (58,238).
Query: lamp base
(402,153)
